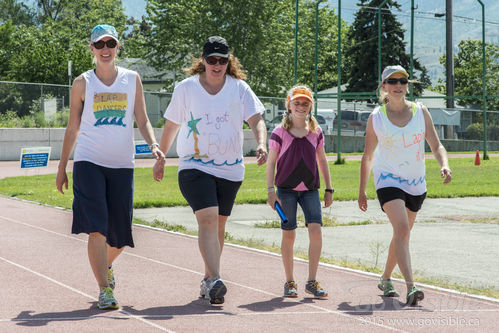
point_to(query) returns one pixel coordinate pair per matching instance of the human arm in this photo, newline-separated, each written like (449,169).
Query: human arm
(271,162)
(436,147)
(143,122)
(371,141)
(257,125)
(324,167)
(71,133)
(169,132)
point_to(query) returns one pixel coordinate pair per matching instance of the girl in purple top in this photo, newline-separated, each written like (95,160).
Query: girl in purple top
(297,146)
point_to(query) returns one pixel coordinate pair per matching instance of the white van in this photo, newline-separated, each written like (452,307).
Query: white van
(329,116)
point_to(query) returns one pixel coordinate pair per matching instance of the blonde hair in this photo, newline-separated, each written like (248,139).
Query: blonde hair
(234,67)
(287,123)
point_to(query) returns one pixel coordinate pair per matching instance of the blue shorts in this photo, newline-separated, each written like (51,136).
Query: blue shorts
(309,201)
(202,190)
(103,202)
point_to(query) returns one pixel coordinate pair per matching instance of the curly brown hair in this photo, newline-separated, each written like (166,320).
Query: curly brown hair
(234,67)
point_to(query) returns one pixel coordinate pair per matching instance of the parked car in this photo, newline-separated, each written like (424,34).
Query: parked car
(325,127)
(353,121)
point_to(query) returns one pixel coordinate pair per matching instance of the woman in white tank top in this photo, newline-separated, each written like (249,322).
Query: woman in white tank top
(104,102)
(394,148)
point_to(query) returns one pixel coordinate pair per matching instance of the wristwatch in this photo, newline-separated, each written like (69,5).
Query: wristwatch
(330,190)
(155,144)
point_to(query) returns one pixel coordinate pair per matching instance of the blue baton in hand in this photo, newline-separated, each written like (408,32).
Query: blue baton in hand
(278,208)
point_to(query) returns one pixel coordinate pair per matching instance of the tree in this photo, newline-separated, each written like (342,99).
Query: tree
(362,47)
(468,72)
(16,12)
(260,33)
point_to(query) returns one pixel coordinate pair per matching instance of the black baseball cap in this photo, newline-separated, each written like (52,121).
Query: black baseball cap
(216,46)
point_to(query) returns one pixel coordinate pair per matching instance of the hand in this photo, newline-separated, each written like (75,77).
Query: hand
(261,154)
(157,153)
(445,172)
(328,199)
(362,201)
(271,199)
(158,170)
(61,179)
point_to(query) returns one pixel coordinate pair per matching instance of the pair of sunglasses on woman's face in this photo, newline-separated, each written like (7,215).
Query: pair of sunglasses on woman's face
(111,43)
(394,81)
(213,61)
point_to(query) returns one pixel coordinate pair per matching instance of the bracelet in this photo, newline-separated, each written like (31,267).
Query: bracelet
(155,144)
(330,190)
(270,189)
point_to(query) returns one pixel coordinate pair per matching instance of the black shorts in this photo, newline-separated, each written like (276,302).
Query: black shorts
(103,202)
(412,202)
(202,190)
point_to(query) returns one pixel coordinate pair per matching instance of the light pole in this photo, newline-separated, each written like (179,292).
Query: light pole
(316,52)
(484,83)
(338,95)
(296,44)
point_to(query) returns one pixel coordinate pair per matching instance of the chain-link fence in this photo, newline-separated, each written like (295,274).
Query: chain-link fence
(47,105)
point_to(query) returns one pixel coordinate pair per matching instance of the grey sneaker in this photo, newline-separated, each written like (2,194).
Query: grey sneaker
(215,291)
(414,295)
(313,287)
(386,286)
(202,287)
(110,278)
(107,300)
(290,289)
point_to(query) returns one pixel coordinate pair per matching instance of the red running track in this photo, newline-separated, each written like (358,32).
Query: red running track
(47,285)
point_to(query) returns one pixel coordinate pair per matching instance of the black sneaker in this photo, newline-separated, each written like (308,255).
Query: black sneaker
(414,295)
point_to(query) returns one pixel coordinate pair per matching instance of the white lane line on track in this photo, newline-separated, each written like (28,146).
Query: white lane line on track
(69,287)
(199,273)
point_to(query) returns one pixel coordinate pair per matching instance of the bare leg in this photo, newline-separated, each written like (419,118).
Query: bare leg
(221,237)
(314,249)
(288,240)
(208,241)
(391,261)
(113,253)
(399,219)
(97,255)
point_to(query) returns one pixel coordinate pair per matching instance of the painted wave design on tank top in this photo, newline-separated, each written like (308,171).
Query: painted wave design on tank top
(198,160)
(110,108)
(414,182)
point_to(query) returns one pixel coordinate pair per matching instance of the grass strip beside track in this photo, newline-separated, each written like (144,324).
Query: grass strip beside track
(468,180)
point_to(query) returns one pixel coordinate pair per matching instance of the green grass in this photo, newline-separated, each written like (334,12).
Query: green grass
(468,180)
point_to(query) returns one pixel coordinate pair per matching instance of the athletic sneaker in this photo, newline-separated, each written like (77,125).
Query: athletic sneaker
(107,300)
(313,287)
(202,287)
(110,278)
(414,295)
(215,291)
(386,286)
(290,289)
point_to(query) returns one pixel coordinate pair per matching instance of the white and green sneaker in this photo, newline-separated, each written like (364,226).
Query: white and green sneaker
(107,300)
(386,286)
(110,278)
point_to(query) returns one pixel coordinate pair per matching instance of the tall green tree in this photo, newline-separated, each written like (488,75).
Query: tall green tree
(16,12)
(468,72)
(362,47)
(260,33)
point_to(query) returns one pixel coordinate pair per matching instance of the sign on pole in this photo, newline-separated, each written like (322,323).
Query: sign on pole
(34,157)
(141,147)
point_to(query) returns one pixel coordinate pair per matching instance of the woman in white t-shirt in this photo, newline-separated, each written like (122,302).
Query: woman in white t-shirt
(104,102)
(209,109)
(394,148)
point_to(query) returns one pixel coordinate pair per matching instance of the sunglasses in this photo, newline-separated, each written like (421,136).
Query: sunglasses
(111,43)
(213,61)
(394,81)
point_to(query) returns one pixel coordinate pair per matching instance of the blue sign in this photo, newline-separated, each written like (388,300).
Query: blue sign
(141,147)
(35,157)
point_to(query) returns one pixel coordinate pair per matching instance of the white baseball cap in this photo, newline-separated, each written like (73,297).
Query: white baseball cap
(390,70)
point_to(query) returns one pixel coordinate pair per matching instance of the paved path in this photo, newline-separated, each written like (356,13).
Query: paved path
(47,286)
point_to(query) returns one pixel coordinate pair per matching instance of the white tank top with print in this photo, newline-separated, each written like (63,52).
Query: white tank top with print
(399,159)
(106,130)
